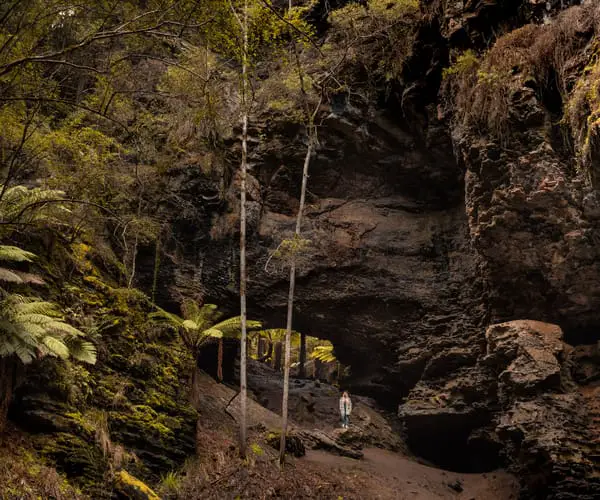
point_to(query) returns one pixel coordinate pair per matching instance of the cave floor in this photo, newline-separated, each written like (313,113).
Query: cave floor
(387,475)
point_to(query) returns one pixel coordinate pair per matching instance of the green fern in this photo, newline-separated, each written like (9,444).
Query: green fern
(199,324)
(31,328)
(278,335)
(15,254)
(22,204)
(323,353)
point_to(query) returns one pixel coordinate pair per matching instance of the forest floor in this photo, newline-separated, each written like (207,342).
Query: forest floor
(385,471)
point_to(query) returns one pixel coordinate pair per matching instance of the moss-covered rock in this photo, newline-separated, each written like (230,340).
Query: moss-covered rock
(129,487)
(133,403)
(79,459)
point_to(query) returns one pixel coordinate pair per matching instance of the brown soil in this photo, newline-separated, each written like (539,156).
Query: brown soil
(219,473)
(388,475)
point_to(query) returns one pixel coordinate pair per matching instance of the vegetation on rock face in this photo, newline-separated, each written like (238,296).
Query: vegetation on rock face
(119,156)
(555,63)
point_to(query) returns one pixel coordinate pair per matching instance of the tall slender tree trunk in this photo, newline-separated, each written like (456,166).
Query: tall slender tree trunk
(311,132)
(243,343)
(290,305)
(277,357)
(302,360)
(220,361)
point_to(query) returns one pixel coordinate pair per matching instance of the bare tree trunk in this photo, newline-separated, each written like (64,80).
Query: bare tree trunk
(318,369)
(302,360)
(277,357)
(220,361)
(261,348)
(243,344)
(290,310)
(311,132)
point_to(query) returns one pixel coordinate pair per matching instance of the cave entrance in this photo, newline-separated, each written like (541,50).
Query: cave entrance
(455,442)
(266,347)
(311,357)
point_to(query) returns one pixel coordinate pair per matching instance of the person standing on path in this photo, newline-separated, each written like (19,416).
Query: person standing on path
(345,409)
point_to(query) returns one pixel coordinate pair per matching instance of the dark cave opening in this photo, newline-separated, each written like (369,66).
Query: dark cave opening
(454,442)
(580,335)
(454,451)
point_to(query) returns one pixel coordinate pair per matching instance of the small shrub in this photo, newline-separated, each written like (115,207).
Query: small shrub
(170,483)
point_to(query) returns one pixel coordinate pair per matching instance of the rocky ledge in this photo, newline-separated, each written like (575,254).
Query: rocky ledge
(520,403)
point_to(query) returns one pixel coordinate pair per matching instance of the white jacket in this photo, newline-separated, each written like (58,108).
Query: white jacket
(348,405)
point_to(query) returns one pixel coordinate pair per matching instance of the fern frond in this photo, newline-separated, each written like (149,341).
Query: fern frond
(17,198)
(25,319)
(56,347)
(9,276)
(323,353)
(189,324)
(30,327)
(24,353)
(83,351)
(38,307)
(64,328)
(231,327)
(164,316)
(30,279)
(213,332)
(15,254)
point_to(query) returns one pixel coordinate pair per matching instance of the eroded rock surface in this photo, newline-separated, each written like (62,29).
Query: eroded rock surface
(532,414)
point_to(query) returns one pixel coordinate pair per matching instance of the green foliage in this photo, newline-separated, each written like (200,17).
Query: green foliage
(15,254)
(31,328)
(377,40)
(33,206)
(583,113)
(10,253)
(534,57)
(289,248)
(200,324)
(323,353)
(278,335)
(170,483)
(257,449)
(465,62)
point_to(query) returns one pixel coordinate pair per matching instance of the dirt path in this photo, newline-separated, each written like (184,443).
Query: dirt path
(387,475)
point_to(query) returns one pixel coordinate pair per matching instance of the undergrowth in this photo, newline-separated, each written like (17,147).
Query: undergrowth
(484,90)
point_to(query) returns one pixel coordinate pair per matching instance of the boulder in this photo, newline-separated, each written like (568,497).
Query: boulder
(527,354)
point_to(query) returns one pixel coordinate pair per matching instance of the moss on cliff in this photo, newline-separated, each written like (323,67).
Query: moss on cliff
(131,410)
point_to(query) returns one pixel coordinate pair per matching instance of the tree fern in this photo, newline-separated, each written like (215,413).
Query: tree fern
(31,328)
(199,326)
(278,335)
(20,204)
(15,254)
(199,323)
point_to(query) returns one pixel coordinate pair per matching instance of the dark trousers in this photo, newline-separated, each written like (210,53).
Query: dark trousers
(345,419)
